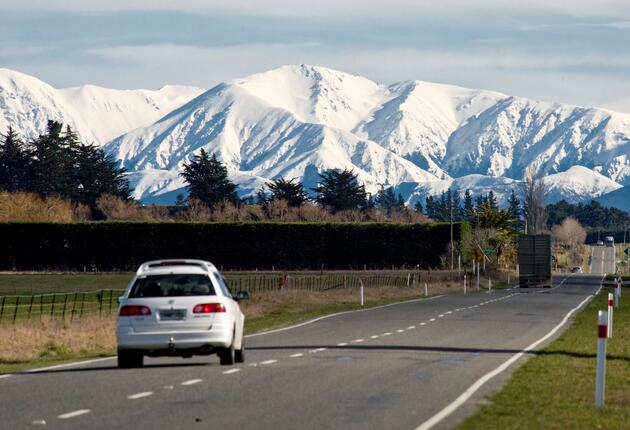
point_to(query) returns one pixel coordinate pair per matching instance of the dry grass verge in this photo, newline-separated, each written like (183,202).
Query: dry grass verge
(33,343)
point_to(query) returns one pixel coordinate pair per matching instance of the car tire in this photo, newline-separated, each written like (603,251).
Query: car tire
(128,359)
(239,355)
(227,356)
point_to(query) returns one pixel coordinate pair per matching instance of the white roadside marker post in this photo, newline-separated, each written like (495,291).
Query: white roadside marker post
(361,284)
(464,284)
(478,276)
(600,373)
(610,314)
(489,284)
(426,290)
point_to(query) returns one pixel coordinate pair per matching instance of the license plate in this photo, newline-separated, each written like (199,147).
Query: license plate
(172,314)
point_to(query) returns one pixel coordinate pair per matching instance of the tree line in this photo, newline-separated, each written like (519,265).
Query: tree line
(57,163)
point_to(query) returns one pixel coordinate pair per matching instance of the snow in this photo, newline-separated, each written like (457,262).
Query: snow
(97,114)
(297,120)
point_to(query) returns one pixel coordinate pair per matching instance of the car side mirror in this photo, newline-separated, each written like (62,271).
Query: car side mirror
(241,295)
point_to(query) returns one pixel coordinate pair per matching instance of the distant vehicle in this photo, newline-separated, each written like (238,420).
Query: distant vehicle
(576,269)
(600,243)
(534,259)
(179,308)
(610,241)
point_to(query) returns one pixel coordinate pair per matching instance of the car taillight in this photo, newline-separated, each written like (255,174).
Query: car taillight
(134,310)
(209,308)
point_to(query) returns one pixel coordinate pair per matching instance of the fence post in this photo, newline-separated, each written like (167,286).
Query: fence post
(111,296)
(99,296)
(74,305)
(65,302)
(600,372)
(41,306)
(17,303)
(4,298)
(52,307)
(82,301)
(30,306)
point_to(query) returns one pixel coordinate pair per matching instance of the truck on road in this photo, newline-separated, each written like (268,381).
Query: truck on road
(534,260)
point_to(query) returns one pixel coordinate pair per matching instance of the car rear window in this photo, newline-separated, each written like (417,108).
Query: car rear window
(172,285)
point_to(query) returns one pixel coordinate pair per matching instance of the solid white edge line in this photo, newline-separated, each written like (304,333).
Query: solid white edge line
(192,381)
(455,404)
(342,313)
(8,375)
(140,395)
(73,414)
(61,366)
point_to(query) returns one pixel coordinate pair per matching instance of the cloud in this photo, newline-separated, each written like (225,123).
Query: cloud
(340,8)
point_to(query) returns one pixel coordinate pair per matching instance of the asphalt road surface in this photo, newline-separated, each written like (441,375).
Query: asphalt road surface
(603,260)
(395,367)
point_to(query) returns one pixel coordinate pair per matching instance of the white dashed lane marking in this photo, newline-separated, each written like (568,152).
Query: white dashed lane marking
(268,362)
(358,340)
(342,344)
(296,355)
(140,395)
(73,414)
(374,337)
(229,372)
(192,382)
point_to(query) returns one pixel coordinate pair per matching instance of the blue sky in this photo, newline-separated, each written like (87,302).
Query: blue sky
(571,51)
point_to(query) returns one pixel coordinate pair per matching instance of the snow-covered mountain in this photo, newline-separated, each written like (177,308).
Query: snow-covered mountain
(619,199)
(295,121)
(97,114)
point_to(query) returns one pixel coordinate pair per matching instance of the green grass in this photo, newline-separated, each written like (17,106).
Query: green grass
(61,282)
(52,358)
(296,313)
(555,389)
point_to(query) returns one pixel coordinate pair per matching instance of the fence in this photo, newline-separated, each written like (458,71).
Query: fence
(105,301)
(58,305)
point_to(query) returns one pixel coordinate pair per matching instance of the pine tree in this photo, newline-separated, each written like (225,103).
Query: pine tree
(13,163)
(469,207)
(291,191)
(51,163)
(94,174)
(340,190)
(418,207)
(457,205)
(492,201)
(430,207)
(207,180)
(515,210)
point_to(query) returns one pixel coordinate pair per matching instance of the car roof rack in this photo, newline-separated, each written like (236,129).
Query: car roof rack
(205,265)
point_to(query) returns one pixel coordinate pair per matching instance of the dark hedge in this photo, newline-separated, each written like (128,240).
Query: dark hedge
(124,245)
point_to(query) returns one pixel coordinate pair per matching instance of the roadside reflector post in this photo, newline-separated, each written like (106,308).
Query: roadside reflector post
(426,290)
(478,280)
(600,373)
(610,314)
(489,284)
(464,284)
(361,289)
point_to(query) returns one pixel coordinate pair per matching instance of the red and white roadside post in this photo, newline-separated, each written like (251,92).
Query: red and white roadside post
(610,314)
(600,373)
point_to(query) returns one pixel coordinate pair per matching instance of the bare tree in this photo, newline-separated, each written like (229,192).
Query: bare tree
(570,233)
(535,210)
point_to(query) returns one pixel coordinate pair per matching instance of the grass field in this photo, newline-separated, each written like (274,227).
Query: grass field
(555,389)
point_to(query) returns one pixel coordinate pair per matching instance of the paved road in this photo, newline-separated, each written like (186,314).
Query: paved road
(394,367)
(603,260)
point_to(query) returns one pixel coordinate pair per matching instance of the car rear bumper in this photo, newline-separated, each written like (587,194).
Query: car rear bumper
(155,341)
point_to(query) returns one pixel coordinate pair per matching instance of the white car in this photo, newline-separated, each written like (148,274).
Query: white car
(179,308)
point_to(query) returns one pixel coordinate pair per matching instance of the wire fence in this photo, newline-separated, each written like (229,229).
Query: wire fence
(77,304)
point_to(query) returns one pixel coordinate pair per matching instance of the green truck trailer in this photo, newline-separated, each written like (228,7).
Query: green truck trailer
(534,260)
